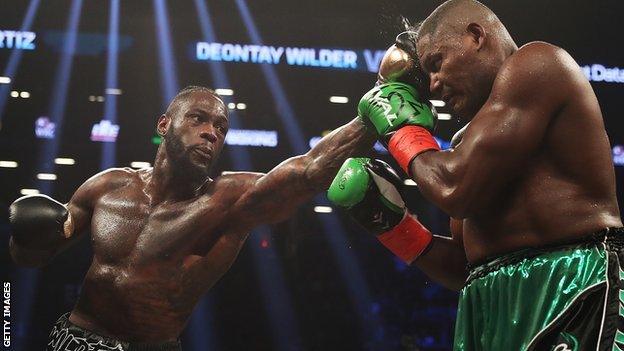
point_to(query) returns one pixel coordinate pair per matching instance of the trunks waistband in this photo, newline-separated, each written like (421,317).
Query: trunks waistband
(65,335)
(613,236)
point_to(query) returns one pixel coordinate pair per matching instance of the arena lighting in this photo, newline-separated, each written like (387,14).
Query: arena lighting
(108,150)
(278,305)
(140,164)
(99,99)
(48,149)
(224,92)
(8,164)
(438,103)
(618,155)
(241,106)
(322,209)
(46,176)
(15,94)
(92,98)
(113,91)
(14,59)
(201,324)
(283,107)
(168,71)
(231,106)
(64,161)
(338,99)
(332,227)
(444,116)
(5,80)
(24,95)
(409,182)
(27,191)
(25,279)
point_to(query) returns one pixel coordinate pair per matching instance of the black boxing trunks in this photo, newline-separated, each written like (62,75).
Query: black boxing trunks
(66,336)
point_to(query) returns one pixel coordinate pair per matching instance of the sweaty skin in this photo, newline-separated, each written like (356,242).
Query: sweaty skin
(534,167)
(160,240)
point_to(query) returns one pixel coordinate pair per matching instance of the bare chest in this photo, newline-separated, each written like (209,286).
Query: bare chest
(126,229)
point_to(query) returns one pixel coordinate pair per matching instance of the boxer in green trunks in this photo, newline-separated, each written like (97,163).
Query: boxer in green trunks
(530,184)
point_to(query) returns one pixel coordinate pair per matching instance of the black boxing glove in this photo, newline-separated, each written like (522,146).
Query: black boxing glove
(401,64)
(37,222)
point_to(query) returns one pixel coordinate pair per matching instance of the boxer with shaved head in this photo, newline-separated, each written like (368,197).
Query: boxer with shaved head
(163,236)
(530,183)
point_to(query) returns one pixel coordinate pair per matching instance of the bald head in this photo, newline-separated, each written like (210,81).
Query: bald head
(454,17)
(462,45)
(455,14)
(184,95)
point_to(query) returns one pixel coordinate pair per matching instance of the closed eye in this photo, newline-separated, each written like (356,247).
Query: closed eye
(222,129)
(434,63)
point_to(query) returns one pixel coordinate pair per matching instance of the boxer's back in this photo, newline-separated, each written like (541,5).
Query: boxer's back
(567,190)
(151,263)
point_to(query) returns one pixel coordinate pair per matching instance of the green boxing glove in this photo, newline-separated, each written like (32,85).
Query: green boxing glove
(400,120)
(388,107)
(368,190)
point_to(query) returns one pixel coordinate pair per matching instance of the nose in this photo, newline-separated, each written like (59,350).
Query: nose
(209,134)
(434,84)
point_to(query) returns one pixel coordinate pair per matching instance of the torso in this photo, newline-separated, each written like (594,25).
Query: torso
(566,192)
(151,264)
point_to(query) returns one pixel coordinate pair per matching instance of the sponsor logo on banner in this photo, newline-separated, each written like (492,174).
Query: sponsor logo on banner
(600,73)
(11,39)
(248,137)
(243,137)
(104,131)
(292,56)
(44,128)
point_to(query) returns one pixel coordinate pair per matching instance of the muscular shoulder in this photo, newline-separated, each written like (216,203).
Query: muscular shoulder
(538,72)
(104,182)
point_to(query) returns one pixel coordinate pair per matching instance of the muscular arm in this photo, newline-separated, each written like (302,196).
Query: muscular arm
(275,196)
(80,208)
(445,261)
(531,87)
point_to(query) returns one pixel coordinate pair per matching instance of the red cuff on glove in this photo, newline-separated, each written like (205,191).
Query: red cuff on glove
(408,142)
(407,240)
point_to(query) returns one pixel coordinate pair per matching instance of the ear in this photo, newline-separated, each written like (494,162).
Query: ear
(163,125)
(477,34)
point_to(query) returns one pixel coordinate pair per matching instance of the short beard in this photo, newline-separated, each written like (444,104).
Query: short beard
(180,159)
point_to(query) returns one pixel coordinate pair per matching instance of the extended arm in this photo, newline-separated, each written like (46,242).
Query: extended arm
(275,196)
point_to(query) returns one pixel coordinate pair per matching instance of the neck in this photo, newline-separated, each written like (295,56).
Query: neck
(168,184)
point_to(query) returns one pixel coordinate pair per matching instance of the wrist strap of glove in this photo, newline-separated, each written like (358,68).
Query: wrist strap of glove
(408,239)
(408,142)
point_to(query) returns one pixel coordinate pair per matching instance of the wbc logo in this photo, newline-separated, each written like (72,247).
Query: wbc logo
(104,131)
